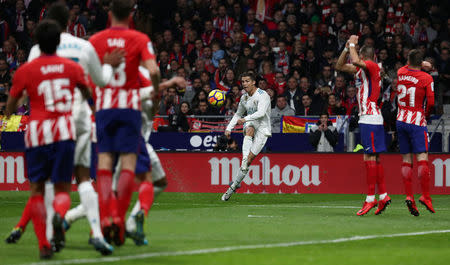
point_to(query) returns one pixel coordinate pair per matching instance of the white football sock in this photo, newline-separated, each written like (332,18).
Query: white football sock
(75,213)
(241,175)
(89,200)
(49,196)
(131,223)
(382,196)
(370,198)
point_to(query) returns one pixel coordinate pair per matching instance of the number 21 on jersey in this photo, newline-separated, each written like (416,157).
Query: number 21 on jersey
(405,93)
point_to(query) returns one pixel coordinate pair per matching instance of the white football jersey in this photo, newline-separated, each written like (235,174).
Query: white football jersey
(82,52)
(147,105)
(258,108)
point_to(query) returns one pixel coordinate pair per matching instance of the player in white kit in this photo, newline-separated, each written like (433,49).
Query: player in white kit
(82,52)
(257,128)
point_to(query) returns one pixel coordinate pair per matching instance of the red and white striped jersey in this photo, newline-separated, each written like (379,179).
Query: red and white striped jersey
(368,83)
(415,98)
(122,92)
(50,82)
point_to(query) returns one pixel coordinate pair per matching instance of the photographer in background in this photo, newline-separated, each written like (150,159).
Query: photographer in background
(226,144)
(323,136)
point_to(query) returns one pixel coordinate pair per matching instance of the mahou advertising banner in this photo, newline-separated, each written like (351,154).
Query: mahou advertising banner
(292,173)
(269,173)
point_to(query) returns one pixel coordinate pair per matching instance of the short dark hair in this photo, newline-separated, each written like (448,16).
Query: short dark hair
(325,113)
(60,13)
(415,58)
(306,95)
(121,9)
(248,74)
(48,35)
(367,51)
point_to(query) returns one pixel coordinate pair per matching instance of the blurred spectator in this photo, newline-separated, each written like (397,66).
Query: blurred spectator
(340,86)
(306,108)
(5,77)
(334,106)
(204,110)
(299,39)
(281,109)
(178,122)
(293,94)
(323,135)
(350,102)
(169,102)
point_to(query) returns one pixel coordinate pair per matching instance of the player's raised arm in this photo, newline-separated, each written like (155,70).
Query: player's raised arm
(341,65)
(155,74)
(81,82)
(239,113)
(263,104)
(430,97)
(354,57)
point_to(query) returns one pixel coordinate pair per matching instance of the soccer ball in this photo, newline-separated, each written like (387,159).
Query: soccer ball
(216,98)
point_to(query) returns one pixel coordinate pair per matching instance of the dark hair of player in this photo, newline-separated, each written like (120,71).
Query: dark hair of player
(415,58)
(60,13)
(121,9)
(367,52)
(48,36)
(248,74)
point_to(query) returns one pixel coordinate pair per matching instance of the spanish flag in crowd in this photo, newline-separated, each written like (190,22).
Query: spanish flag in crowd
(15,123)
(297,124)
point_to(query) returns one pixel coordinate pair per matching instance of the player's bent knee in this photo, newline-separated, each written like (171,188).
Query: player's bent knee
(82,174)
(250,131)
(162,183)
(422,156)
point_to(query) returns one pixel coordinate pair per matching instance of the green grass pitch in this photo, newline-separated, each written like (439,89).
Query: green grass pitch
(255,229)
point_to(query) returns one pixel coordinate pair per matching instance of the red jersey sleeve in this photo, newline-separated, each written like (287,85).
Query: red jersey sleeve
(144,81)
(147,52)
(19,83)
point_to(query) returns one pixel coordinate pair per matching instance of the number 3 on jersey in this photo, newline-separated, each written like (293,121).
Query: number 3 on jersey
(120,77)
(402,92)
(57,96)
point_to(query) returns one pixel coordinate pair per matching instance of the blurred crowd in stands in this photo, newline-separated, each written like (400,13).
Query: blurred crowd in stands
(291,45)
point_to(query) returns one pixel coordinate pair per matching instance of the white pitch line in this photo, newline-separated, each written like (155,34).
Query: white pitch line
(262,216)
(233,248)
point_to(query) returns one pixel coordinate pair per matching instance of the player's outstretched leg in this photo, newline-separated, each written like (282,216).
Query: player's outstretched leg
(89,201)
(19,229)
(246,146)
(424,176)
(135,223)
(73,215)
(371,176)
(384,199)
